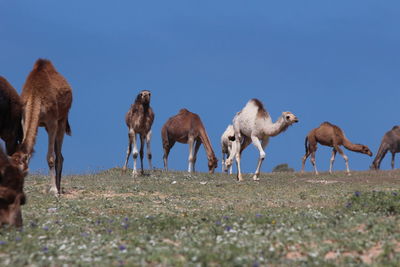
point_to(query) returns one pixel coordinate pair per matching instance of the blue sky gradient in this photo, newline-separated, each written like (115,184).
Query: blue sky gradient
(334,61)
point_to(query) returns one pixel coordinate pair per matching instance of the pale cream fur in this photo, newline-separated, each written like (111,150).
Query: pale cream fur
(227,147)
(254,124)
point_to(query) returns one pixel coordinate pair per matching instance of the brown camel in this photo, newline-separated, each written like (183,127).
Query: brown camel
(12,196)
(186,127)
(46,98)
(331,135)
(139,120)
(10,116)
(390,142)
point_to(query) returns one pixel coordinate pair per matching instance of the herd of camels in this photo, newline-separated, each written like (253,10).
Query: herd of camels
(46,99)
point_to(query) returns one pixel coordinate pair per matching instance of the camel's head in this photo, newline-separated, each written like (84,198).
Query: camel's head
(289,117)
(12,196)
(144,97)
(212,164)
(365,150)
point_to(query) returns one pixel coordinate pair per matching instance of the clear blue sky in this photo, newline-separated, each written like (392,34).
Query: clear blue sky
(334,61)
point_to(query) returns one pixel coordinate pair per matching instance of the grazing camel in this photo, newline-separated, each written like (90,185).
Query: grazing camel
(12,195)
(331,135)
(254,124)
(390,142)
(186,127)
(139,120)
(227,147)
(10,116)
(46,97)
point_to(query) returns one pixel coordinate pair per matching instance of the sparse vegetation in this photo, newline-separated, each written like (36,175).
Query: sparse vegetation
(284,167)
(178,219)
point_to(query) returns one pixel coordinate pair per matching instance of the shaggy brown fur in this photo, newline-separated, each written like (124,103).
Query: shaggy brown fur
(11,191)
(390,142)
(46,98)
(331,135)
(10,116)
(139,120)
(186,127)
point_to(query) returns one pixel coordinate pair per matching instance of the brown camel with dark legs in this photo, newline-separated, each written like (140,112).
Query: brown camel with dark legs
(139,120)
(331,135)
(10,116)
(390,142)
(186,127)
(46,97)
(12,195)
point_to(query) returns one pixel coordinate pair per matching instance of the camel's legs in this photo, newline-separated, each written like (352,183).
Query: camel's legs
(141,152)
(238,155)
(308,153)
(196,149)
(240,146)
(128,152)
(58,152)
(231,148)
(223,162)
(313,162)
(332,160)
(149,156)
(135,152)
(346,159)
(51,128)
(191,144)
(257,144)
(393,156)
(167,149)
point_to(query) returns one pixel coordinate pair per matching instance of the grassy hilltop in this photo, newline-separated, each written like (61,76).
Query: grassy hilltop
(180,219)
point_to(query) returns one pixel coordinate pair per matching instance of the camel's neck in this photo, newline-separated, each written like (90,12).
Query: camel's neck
(31,124)
(275,128)
(350,146)
(207,144)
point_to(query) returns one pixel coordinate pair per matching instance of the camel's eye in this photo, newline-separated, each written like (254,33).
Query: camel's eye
(287,117)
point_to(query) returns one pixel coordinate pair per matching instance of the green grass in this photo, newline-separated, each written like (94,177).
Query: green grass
(177,219)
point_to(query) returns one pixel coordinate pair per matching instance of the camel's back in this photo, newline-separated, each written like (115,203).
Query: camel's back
(47,84)
(328,133)
(392,137)
(183,124)
(10,105)
(246,119)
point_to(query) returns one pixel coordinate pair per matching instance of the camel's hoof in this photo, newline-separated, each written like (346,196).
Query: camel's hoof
(239,179)
(256,179)
(348,174)
(135,174)
(53,191)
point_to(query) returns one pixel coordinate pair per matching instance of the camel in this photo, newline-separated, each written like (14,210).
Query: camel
(227,147)
(390,142)
(139,120)
(186,127)
(331,135)
(46,97)
(254,124)
(12,196)
(10,116)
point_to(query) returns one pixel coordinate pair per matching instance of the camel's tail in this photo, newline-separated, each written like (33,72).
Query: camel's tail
(306,144)
(68,128)
(383,149)
(31,123)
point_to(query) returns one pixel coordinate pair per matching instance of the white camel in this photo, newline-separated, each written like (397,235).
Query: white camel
(254,124)
(227,147)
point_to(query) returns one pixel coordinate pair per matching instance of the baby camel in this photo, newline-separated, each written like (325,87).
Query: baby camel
(331,135)
(254,124)
(227,146)
(46,99)
(186,127)
(139,120)
(390,142)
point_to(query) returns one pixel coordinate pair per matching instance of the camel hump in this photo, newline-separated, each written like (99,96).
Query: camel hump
(184,110)
(262,112)
(42,64)
(327,123)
